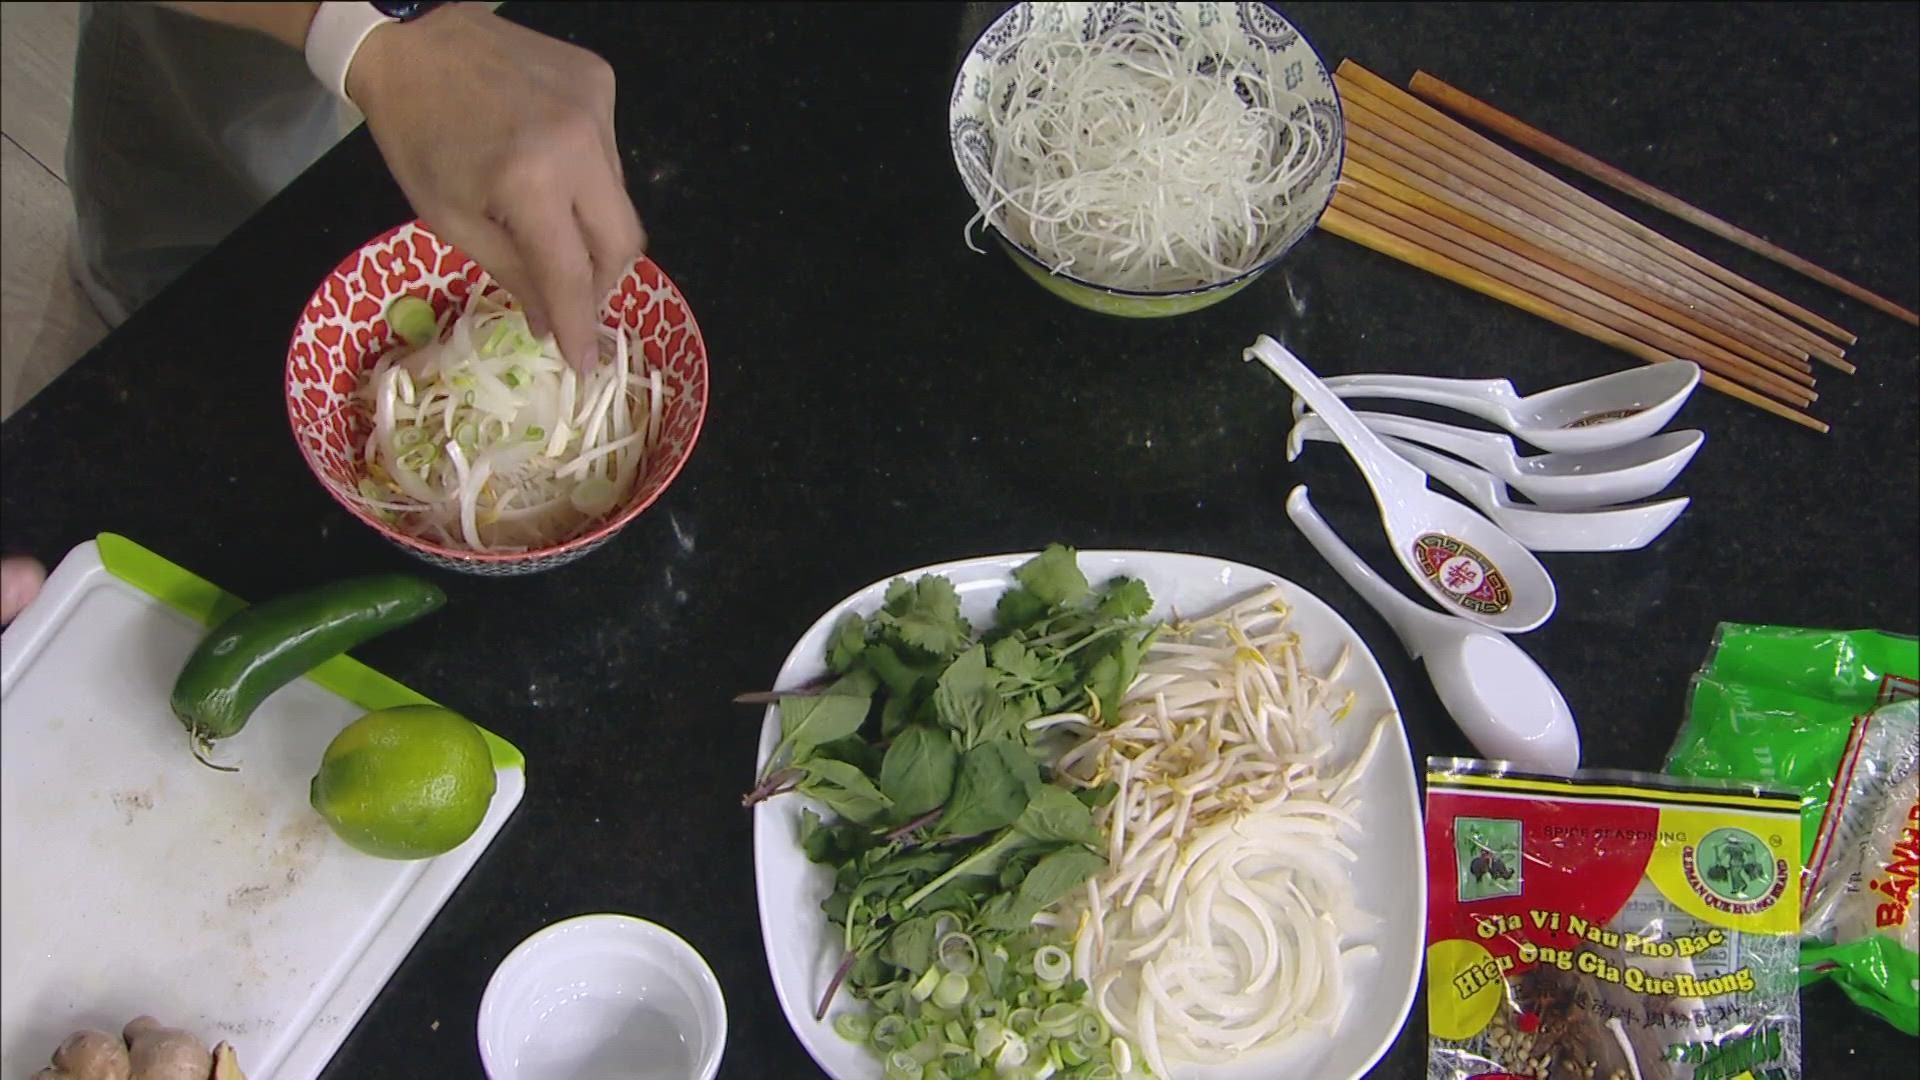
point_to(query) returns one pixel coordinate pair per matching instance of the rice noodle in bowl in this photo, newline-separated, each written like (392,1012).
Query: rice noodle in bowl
(1146,156)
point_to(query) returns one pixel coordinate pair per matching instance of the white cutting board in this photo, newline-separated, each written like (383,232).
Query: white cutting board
(135,880)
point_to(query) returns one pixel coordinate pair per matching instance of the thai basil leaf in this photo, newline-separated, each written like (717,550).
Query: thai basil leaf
(918,770)
(991,789)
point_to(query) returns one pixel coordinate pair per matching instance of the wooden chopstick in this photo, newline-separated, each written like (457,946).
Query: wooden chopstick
(1438,92)
(1777,303)
(1417,227)
(1368,148)
(1592,278)
(1747,292)
(1343,225)
(1403,120)
(1424,131)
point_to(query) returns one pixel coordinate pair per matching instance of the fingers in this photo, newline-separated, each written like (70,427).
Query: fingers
(613,233)
(20,581)
(499,255)
(560,271)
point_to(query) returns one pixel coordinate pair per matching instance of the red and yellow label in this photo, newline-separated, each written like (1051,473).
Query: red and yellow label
(1524,872)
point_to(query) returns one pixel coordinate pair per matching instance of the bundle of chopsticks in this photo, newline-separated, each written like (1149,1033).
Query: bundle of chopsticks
(1423,188)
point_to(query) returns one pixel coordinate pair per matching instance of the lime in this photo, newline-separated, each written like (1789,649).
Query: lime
(405,783)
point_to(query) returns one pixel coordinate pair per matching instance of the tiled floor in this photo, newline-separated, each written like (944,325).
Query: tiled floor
(45,323)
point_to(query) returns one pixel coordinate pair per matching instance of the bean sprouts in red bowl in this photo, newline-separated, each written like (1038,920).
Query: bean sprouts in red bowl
(426,407)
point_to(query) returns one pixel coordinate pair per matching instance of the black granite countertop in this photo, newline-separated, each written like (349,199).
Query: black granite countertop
(884,399)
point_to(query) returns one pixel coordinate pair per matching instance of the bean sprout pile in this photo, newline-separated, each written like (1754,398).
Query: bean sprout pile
(485,439)
(1217,928)
(1144,160)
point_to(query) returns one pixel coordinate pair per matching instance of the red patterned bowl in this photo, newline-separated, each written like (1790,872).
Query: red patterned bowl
(344,330)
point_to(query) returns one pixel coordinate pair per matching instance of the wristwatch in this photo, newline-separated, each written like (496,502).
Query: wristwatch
(338,29)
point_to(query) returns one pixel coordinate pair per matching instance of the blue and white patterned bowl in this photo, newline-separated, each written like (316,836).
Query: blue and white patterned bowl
(1250,34)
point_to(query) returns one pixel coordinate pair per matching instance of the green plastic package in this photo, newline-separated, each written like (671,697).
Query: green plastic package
(1832,715)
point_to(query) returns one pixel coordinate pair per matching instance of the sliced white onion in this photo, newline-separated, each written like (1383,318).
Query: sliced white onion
(486,439)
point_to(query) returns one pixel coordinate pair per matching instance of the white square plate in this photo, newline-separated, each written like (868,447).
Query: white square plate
(1390,876)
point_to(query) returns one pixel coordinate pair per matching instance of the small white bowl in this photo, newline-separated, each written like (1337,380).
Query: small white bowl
(602,996)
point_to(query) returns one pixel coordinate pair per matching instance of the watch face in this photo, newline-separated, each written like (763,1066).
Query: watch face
(403,11)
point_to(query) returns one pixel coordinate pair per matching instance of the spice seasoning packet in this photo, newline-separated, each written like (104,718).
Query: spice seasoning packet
(1610,926)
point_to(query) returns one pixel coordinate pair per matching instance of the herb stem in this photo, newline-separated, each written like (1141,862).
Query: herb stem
(839,976)
(910,827)
(957,869)
(776,782)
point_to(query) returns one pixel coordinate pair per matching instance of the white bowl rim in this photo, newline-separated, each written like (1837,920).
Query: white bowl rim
(620,922)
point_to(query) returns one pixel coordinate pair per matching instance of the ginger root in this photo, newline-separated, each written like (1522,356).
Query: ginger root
(145,1050)
(159,1052)
(89,1055)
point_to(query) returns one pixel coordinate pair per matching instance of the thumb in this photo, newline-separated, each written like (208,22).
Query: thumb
(20,581)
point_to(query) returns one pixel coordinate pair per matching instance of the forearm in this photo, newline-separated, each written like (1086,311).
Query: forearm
(286,23)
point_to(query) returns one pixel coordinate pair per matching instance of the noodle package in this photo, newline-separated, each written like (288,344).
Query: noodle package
(1610,926)
(1830,715)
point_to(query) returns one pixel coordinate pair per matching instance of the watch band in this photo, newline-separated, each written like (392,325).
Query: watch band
(338,30)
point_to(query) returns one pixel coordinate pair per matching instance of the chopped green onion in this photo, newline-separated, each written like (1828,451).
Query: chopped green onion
(1093,1029)
(925,1050)
(887,1031)
(419,458)
(1100,1070)
(1059,1021)
(853,1026)
(924,988)
(988,1036)
(1052,964)
(515,375)
(902,1066)
(1122,1052)
(412,318)
(535,433)
(1024,1019)
(951,991)
(958,953)
(500,331)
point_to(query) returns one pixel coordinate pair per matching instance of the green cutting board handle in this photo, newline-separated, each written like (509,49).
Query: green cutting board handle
(209,604)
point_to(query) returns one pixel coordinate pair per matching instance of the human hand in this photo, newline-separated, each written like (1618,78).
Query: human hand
(20,581)
(502,139)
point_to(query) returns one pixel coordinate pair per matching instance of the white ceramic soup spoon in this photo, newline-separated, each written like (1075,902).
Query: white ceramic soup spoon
(1460,558)
(1610,528)
(1494,691)
(1596,414)
(1557,481)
